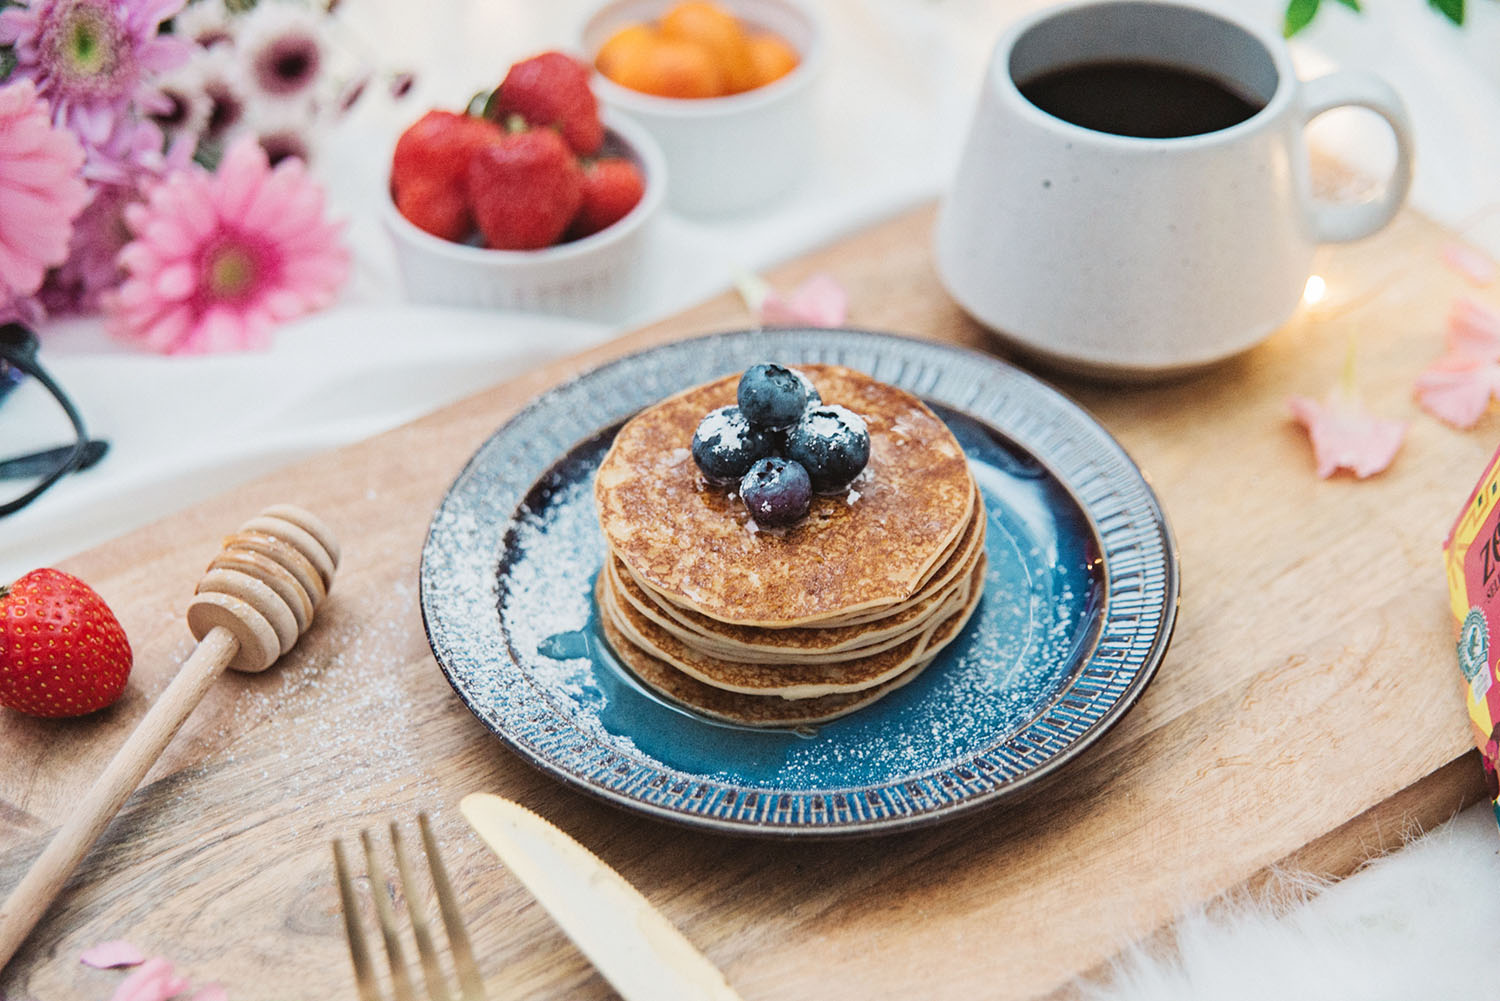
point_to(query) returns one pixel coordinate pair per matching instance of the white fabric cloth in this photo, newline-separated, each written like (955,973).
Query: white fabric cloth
(900,80)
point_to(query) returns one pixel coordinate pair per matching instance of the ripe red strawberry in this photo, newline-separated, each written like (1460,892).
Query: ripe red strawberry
(435,152)
(612,186)
(62,651)
(525,190)
(552,89)
(441,209)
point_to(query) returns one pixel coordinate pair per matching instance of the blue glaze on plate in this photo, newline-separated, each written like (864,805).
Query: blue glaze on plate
(1080,596)
(1043,590)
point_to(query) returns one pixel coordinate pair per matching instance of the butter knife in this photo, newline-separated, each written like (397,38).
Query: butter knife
(642,954)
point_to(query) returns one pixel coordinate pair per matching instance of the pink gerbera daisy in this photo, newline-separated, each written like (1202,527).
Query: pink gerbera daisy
(219,259)
(41,192)
(93,59)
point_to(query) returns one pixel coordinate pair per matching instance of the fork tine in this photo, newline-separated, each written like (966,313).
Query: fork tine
(400,979)
(471,987)
(359,953)
(432,970)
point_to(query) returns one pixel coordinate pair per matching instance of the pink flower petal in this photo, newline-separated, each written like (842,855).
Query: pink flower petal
(153,980)
(1473,330)
(818,302)
(241,172)
(1477,267)
(174,283)
(173,297)
(41,192)
(109,955)
(1458,389)
(1346,436)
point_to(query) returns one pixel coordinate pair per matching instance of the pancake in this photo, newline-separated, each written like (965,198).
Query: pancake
(788,679)
(825,634)
(795,645)
(802,644)
(732,707)
(871,549)
(794,681)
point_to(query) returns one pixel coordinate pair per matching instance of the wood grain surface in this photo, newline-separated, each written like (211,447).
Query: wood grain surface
(1308,708)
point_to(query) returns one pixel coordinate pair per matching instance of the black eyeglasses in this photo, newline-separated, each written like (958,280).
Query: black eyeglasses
(18,347)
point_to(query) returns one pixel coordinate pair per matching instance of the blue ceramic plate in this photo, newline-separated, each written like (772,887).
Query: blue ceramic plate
(1078,606)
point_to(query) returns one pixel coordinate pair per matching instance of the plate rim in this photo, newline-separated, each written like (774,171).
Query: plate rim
(1128,697)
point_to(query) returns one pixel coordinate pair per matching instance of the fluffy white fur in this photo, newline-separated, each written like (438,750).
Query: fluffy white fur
(1420,924)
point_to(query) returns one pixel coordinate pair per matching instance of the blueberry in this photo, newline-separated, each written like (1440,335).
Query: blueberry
(777,492)
(832,444)
(771,396)
(726,445)
(813,396)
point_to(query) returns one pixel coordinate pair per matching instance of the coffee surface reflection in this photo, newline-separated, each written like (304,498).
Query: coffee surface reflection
(1140,99)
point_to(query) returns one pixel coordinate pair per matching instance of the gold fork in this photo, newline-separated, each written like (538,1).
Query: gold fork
(469,985)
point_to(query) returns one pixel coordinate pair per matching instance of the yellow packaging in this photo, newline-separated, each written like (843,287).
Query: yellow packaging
(1472,555)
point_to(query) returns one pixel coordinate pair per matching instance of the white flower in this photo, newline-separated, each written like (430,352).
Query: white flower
(222,82)
(283,129)
(186,104)
(283,50)
(205,23)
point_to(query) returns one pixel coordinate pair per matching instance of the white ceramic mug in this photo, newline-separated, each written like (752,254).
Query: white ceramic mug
(1114,255)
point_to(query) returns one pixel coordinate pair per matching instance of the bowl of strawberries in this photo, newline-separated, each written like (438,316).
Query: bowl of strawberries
(527,199)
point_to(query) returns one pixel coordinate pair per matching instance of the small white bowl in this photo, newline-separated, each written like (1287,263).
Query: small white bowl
(727,154)
(592,278)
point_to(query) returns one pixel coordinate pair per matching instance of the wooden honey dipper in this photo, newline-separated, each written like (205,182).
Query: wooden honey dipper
(258,596)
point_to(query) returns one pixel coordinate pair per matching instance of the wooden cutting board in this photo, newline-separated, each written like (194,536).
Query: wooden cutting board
(1307,712)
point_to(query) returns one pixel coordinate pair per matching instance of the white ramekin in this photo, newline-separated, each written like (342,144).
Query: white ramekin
(590,279)
(726,154)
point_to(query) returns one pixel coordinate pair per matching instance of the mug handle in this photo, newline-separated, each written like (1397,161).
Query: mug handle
(1339,222)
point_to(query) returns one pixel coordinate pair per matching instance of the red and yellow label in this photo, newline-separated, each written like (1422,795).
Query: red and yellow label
(1473,563)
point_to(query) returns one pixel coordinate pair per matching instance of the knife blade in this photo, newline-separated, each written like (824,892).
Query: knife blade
(642,954)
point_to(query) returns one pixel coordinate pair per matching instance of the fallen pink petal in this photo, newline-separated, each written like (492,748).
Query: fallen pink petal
(111,955)
(818,302)
(1457,389)
(153,980)
(1473,330)
(1477,267)
(1346,436)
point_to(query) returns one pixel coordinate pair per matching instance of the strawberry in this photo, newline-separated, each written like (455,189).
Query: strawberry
(62,651)
(440,209)
(552,89)
(611,188)
(525,190)
(435,152)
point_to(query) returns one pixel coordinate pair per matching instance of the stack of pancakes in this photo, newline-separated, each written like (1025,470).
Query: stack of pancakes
(793,626)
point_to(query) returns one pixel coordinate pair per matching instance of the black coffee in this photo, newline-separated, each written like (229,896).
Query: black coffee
(1138,99)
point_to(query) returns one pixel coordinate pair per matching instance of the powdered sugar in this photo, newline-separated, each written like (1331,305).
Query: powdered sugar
(722,431)
(830,421)
(1008,663)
